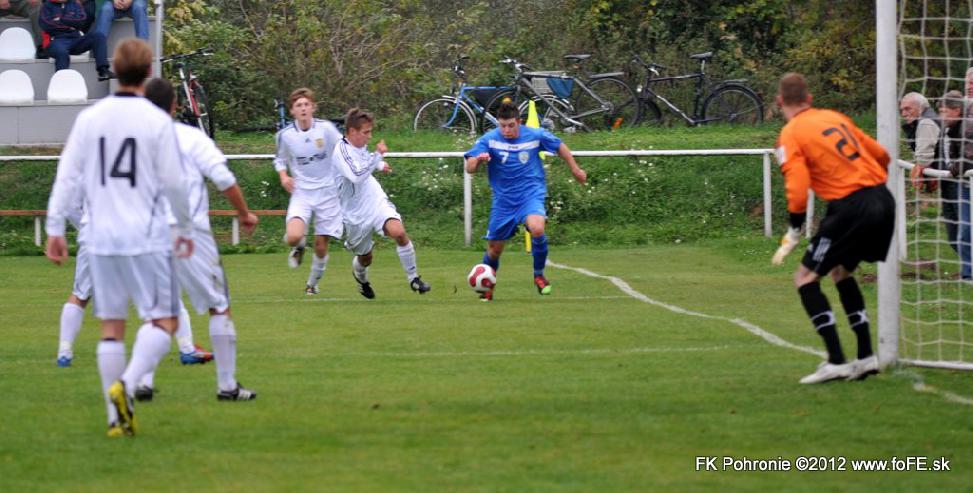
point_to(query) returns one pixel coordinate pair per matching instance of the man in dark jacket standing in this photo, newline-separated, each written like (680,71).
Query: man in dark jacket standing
(64,21)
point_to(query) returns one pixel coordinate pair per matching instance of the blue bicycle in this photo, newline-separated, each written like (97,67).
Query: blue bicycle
(463,112)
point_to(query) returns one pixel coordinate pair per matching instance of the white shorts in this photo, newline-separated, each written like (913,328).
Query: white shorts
(358,236)
(82,275)
(201,275)
(323,204)
(147,280)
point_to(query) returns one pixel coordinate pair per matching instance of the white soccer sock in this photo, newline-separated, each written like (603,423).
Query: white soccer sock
(71,317)
(111,364)
(407,256)
(151,344)
(184,333)
(318,265)
(148,380)
(222,334)
(360,272)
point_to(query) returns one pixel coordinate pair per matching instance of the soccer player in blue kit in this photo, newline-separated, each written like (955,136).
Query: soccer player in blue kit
(516,176)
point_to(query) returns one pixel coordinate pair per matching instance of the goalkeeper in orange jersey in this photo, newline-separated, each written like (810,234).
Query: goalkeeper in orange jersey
(824,151)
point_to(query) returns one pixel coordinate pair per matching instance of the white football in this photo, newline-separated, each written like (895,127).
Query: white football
(482,278)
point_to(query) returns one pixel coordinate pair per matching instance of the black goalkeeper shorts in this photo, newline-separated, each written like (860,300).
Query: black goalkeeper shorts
(856,228)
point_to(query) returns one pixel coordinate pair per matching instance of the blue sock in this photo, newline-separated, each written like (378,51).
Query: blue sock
(538,247)
(492,262)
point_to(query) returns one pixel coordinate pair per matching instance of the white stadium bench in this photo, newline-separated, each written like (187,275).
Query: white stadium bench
(16,43)
(67,87)
(16,88)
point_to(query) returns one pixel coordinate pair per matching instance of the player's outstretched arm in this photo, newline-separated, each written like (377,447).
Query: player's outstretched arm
(247,219)
(579,174)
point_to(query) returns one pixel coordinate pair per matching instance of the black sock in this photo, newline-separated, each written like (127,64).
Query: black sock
(819,311)
(854,304)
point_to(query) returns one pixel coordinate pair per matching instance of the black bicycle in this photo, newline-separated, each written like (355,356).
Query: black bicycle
(730,101)
(601,102)
(194,108)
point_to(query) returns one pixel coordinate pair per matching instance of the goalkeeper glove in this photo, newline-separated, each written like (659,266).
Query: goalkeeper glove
(787,245)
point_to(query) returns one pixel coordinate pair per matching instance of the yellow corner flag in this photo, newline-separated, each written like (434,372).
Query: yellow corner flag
(532,120)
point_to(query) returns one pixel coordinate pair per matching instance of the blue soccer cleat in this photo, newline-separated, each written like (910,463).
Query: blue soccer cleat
(64,361)
(199,356)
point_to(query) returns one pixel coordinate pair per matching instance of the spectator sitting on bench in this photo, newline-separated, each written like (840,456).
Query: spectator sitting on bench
(63,21)
(29,9)
(109,10)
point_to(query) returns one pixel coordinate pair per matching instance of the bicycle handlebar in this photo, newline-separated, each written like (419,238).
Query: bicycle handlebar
(200,52)
(519,67)
(654,67)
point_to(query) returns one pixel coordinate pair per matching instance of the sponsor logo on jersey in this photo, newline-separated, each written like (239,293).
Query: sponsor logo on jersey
(506,146)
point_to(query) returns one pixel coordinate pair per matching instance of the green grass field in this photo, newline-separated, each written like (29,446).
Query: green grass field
(589,389)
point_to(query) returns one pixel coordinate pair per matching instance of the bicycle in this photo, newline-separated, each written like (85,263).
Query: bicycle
(554,94)
(194,107)
(730,101)
(461,112)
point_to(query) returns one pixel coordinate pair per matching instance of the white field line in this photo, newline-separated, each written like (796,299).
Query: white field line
(917,382)
(749,327)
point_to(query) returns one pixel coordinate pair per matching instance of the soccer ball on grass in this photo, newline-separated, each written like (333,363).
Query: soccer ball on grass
(482,278)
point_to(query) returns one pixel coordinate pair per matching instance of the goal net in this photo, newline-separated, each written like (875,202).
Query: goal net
(935,50)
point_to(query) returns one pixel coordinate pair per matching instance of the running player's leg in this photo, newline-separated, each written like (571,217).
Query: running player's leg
(155,292)
(358,241)
(112,292)
(72,314)
(327,224)
(538,241)
(298,217)
(393,228)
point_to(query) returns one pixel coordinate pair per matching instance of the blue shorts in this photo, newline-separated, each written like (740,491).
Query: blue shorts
(504,220)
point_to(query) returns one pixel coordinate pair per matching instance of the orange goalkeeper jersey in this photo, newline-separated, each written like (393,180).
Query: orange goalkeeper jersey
(823,150)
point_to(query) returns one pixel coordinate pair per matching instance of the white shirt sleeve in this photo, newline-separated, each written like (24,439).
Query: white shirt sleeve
(169,169)
(283,154)
(212,163)
(356,167)
(66,193)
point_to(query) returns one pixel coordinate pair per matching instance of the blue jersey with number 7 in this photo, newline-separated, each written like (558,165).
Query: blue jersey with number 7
(515,171)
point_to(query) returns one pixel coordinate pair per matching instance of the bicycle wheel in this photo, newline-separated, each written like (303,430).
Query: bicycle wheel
(444,115)
(625,105)
(546,116)
(650,114)
(492,106)
(203,113)
(736,105)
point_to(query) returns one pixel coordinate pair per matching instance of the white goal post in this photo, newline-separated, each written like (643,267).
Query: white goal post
(924,299)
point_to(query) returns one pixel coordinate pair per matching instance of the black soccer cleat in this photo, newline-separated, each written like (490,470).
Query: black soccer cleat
(144,393)
(237,394)
(365,288)
(419,286)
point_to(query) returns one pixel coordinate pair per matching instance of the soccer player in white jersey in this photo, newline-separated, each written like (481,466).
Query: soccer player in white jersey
(201,276)
(72,313)
(305,148)
(365,207)
(121,158)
